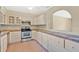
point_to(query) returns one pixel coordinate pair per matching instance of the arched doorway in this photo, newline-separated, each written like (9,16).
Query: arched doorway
(62,20)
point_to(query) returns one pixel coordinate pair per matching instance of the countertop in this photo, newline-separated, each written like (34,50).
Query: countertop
(3,33)
(10,30)
(6,31)
(61,34)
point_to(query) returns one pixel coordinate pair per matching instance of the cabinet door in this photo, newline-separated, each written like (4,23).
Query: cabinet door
(15,37)
(45,40)
(34,21)
(34,35)
(4,43)
(3,10)
(39,37)
(56,43)
(1,18)
(52,43)
(71,46)
(41,20)
(61,44)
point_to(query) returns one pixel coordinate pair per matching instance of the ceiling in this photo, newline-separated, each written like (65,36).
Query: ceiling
(34,10)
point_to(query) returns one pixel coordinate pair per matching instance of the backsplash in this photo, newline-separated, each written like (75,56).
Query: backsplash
(6,27)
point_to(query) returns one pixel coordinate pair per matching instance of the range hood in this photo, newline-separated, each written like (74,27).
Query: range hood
(26,22)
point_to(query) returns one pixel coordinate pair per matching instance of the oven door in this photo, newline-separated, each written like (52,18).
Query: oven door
(26,34)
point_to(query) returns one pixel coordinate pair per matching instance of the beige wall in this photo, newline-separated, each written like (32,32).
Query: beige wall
(74,11)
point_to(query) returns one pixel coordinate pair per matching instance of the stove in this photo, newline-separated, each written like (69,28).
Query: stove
(26,32)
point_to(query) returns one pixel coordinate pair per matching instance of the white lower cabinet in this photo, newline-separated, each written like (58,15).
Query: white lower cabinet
(45,40)
(34,34)
(71,46)
(15,37)
(52,43)
(4,43)
(55,44)
(39,37)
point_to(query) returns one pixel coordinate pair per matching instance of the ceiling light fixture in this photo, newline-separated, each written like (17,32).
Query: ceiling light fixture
(30,8)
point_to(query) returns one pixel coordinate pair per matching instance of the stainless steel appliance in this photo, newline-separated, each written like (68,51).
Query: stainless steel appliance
(26,32)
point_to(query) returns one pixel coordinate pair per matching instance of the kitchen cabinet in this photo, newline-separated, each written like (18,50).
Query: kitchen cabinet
(39,37)
(3,10)
(34,35)
(56,44)
(3,15)
(53,43)
(61,44)
(38,20)
(41,20)
(14,20)
(1,18)
(50,42)
(3,43)
(71,46)
(34,21)
(45,40)
(15,36)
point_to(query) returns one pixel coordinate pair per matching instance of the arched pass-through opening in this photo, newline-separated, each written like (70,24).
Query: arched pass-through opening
(62,20)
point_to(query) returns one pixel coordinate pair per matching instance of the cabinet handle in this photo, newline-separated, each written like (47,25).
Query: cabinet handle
(72,47)
(64,44)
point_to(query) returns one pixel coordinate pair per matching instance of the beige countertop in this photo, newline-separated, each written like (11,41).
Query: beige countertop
(3,32)
(9,30)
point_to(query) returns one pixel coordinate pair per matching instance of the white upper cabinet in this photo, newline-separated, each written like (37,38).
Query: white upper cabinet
(39,20)
(34,21)
(3,12)
(1,18)
(14,20)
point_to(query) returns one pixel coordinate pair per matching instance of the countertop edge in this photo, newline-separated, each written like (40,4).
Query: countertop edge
(60,34)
